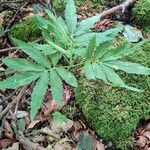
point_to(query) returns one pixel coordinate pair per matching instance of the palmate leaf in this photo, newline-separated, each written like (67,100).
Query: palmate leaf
(19,64)
(118,52)
(67,76)
(19,80)
(89,73)
(45,48)
(59,28)
(129,67)
(38,94)
(33,53)
(122,51)
(70,16)
(42,22)
(114,78)
(56,87)
(58,48)
(102,49)
(99,73)
(91,47)
(86,24)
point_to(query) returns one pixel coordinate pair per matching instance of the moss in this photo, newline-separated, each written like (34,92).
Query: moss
(26,31)
(59,5)
(113,112)
(141,12)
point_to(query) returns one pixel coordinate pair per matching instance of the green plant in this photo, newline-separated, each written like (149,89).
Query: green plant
(74,44)
(114,113)
(141,12)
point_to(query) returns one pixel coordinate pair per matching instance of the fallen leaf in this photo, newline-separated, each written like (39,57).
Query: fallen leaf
(132,34)
(21,114)
(61,126)
(49,132)
(38,138)
(21,125)
(100,146)
(5,143)
(62,146)
(147,134)
(141,141)
(1,21)
(85,142)
(15,146)
(32,124)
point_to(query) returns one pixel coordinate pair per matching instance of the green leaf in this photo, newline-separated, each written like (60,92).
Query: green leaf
(62,23)
(42,22)
(67,76)
(89,73)
(102,49)
(1,30)
(118,52)
(38,94)
(55,58)
(86,24)
(58,48)
(99,73)
(51,15)
(114,78)
(21,124)
(91,47)
(45,48)
(129,67)
(84,39)
(19,80)
(59,27)
(85,142)
(70,16)
(22,64)
(80,51)
(33,53)
(57,116)
(56,87)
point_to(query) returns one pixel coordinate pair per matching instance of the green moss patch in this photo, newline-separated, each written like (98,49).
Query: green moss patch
(113,112)
(26,31)
(141,12)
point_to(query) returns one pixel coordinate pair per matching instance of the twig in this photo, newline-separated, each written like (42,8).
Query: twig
(10,105)
(7,98)
(8,49)
(122,7)
(12,20)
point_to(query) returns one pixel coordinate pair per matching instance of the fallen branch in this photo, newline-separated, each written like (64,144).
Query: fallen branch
(122,7)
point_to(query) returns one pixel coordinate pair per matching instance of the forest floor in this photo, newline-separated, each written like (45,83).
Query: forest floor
(67,129)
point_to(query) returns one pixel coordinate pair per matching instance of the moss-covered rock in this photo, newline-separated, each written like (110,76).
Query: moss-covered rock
(26,31)
(113,112)
(141,12)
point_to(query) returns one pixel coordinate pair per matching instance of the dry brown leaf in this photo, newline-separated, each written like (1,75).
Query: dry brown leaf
(62,146)
(32,124)
(49,132)
(147,134)
(100,146)
(61,126)
(141,141)
(5,143)
(1,21)
(15,146)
